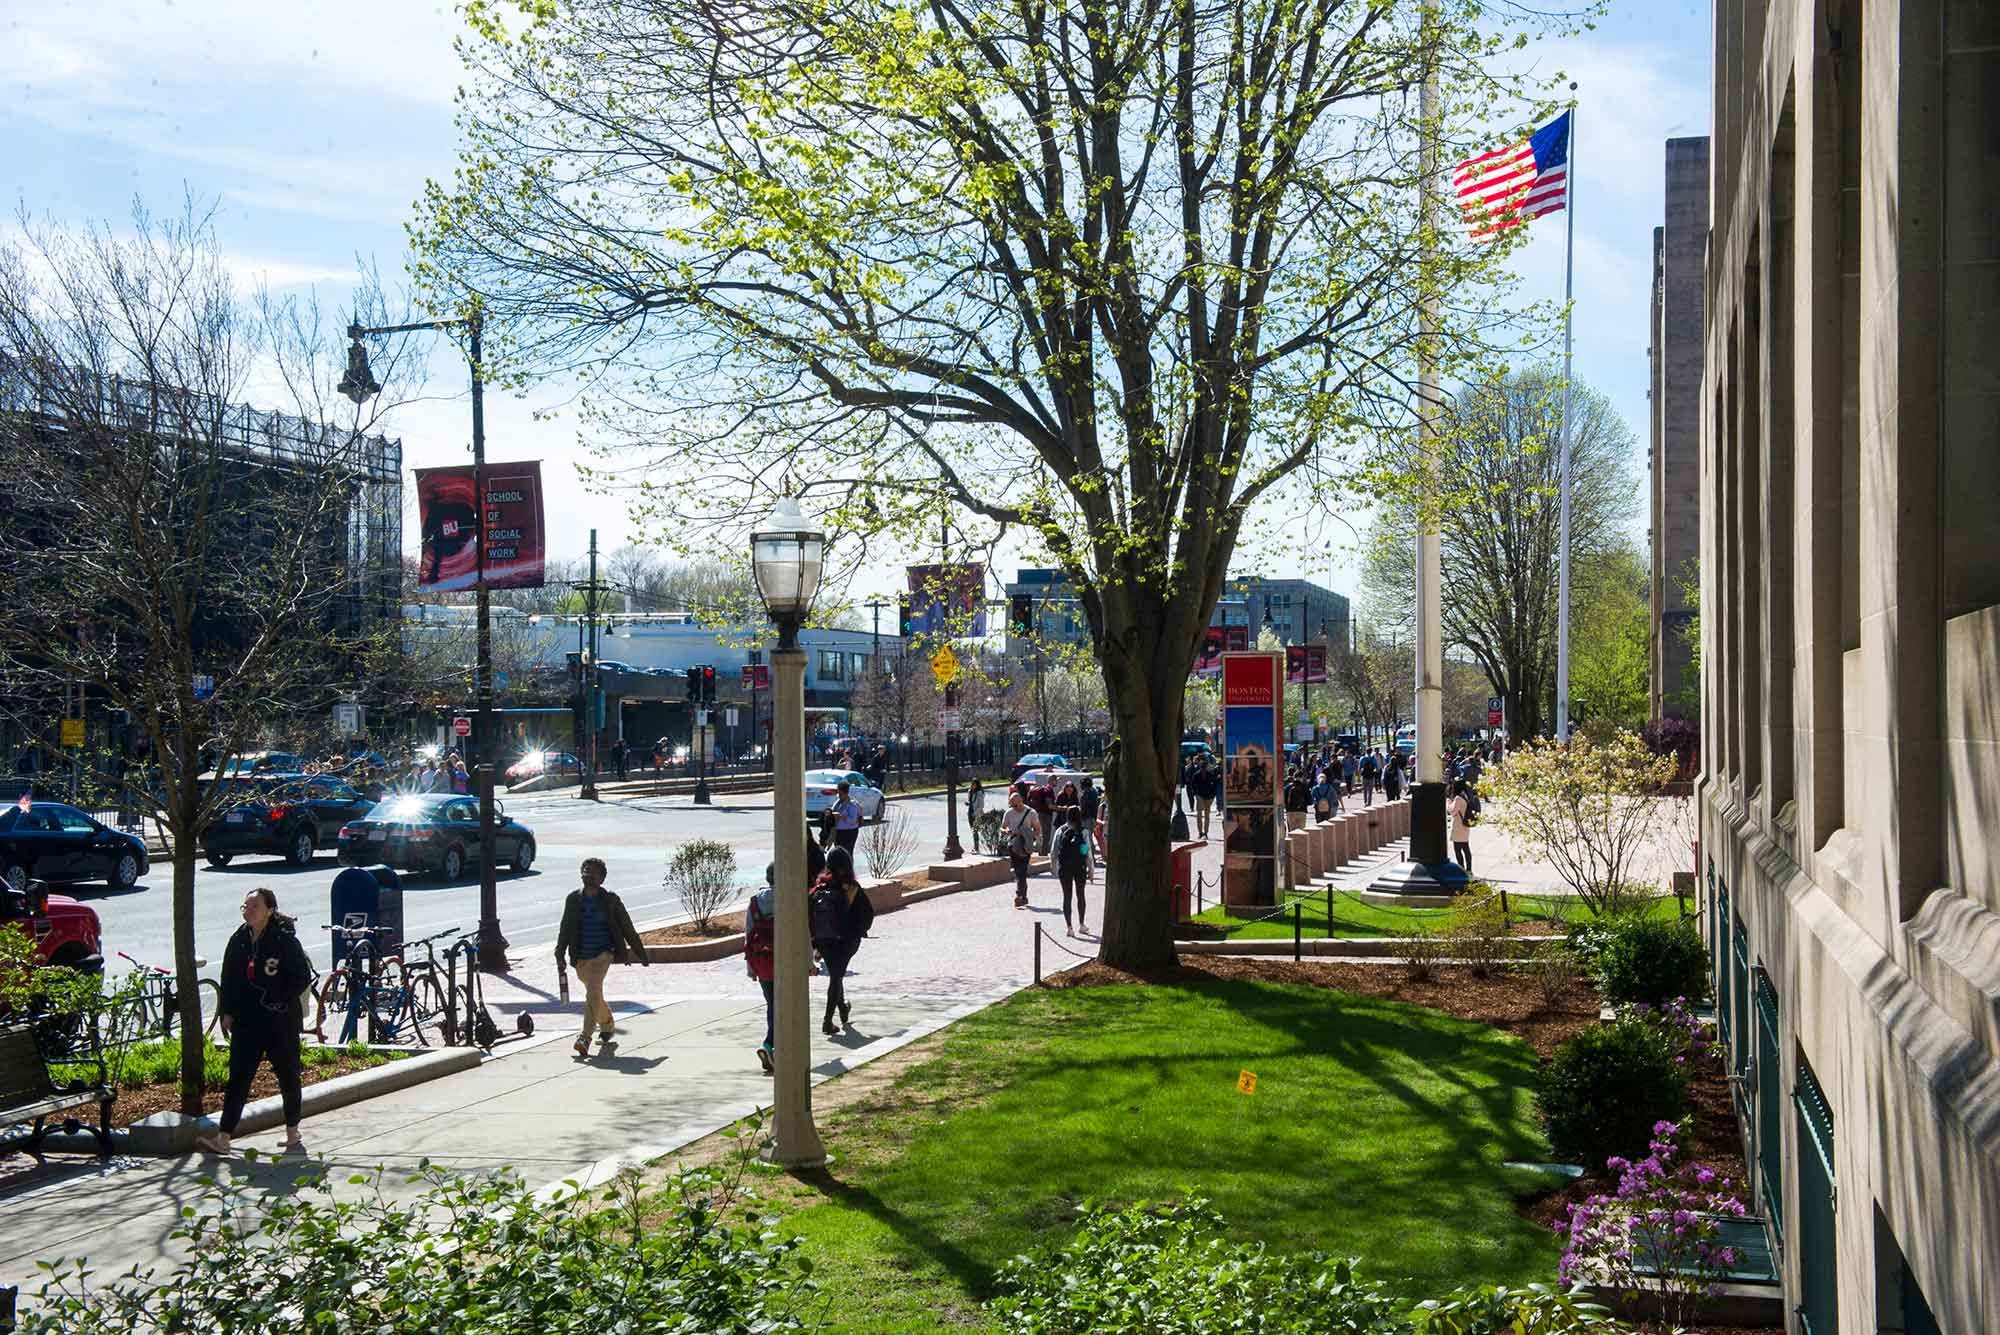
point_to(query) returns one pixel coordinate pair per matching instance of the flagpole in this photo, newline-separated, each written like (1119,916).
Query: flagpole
(1562,560)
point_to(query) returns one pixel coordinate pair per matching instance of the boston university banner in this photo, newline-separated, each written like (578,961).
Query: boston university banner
(449,522)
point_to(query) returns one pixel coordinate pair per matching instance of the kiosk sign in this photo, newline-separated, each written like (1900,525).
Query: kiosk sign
(1253,698)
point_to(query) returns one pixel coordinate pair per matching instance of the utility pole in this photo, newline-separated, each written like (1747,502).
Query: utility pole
(594,692)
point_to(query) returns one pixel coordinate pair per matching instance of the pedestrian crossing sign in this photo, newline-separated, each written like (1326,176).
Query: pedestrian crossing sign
(944,665)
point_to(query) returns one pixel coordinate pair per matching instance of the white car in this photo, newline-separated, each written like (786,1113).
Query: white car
(822,790)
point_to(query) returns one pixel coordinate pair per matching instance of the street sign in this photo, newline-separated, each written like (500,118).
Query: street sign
(729,716)
(72,732)
(347,719)
(757,676)
(948,719)
(204,686)
(461,726)
(944,665)
(1496,711)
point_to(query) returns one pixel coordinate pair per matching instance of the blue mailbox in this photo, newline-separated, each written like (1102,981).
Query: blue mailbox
(367,897)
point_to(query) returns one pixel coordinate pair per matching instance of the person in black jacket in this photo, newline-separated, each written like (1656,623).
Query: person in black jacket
(839,914)
(264,973)
(596,933)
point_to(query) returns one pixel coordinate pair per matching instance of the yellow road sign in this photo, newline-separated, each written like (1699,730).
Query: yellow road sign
(944,665)
(72,732)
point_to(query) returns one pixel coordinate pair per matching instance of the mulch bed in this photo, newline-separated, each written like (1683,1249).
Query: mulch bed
(136,1104)
(1506,1000)
(681,933)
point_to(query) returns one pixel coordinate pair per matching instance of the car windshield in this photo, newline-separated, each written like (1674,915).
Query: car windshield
(411,807)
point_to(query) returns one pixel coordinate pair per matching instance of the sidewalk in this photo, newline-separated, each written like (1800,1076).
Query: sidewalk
(684,1066)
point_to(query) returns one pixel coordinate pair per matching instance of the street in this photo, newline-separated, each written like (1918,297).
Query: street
(634,835)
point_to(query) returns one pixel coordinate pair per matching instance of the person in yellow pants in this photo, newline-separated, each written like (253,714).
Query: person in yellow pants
(596,933)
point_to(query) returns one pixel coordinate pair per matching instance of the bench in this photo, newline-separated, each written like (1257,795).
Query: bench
(30,1097)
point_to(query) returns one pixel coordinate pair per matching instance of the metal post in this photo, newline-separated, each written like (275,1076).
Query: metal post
(1038,954)
(1298,940)
(795,1141)
(492,945)
(596,691)
(1562,540)
(953,850)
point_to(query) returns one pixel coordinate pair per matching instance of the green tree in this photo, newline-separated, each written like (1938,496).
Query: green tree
(1106,274)
(1499,540)
(1610,658)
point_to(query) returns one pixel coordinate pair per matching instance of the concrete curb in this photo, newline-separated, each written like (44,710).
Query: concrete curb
(171,1133)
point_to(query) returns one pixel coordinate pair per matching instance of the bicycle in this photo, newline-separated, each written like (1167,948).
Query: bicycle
(367,983)
(156,1010)
(478,1028)
(429,1004)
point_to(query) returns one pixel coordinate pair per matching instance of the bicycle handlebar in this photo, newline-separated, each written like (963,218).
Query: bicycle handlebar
(434,936)
(353,931)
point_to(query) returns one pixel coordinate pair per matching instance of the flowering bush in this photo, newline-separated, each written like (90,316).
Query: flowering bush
(1688,1036)
(1659,1232)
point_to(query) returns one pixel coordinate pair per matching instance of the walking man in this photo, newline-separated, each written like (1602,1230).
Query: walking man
(1020,835)
(596,933)
(1371,767)
(846,819)
(1202,788)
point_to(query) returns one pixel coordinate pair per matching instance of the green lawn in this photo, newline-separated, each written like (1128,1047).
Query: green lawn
(1354,916)
(1377,1130)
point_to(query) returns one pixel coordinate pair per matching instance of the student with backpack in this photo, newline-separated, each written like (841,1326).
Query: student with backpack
(1371,769)
(839,914)
(1464,815)
(760,956)
(1072,859)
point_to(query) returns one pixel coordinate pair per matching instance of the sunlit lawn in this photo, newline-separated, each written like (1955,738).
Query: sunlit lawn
(1355,916)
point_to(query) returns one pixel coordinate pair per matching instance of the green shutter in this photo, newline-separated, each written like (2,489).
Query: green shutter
(1818,1307)
(1770,1109)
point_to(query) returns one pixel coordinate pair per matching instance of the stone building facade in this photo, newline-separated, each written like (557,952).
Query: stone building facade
(1680,249)
(1850,627)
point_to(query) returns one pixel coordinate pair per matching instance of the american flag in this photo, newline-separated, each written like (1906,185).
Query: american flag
(1508,186)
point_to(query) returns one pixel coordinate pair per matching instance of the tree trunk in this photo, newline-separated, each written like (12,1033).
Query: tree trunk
(185,985)
(1140,775)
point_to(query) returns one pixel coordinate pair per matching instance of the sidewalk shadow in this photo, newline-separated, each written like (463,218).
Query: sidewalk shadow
(621,1064)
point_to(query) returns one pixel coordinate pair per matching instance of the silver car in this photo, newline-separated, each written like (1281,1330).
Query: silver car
(823,790)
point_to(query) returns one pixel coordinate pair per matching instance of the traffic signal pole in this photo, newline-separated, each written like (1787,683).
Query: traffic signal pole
(704,697)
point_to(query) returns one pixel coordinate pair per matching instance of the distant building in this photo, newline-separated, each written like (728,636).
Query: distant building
(1680,250)
(1297,611)
(1850,628)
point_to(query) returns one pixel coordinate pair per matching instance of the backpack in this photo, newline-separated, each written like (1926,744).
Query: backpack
(761,946)
(823,913)
(1472,806)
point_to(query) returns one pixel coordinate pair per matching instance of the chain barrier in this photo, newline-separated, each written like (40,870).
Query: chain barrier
(1040,935)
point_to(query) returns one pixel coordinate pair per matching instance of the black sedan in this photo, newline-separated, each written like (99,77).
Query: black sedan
(53,842)
(290,815)
(434,832)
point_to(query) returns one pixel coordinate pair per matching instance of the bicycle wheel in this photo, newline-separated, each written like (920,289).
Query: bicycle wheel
(425,1012)
(330,1001)
(210,994)
(387,1001)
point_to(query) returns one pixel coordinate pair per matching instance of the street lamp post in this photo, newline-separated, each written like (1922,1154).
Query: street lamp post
(786,556)
(359,384)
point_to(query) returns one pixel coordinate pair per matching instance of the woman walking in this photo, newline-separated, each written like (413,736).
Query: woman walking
(1020,834)
(1392,777)
(264,972)
(975,807)
(839,915)
(1461,826)
(596,933)
(760,937)
(1072,859)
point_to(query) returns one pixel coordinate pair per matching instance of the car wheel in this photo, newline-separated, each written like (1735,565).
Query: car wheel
(454,863)
(302,849)
(524,856)
(124,872)
(220,859)
(16,876)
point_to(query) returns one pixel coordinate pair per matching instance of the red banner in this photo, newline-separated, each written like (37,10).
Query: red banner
(448,518)
(1305,662)
(1251,679)
(1217,641)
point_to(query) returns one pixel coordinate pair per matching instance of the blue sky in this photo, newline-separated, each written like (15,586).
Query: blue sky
(311,127)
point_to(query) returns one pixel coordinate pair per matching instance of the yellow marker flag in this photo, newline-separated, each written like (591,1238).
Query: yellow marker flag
(1246,1082)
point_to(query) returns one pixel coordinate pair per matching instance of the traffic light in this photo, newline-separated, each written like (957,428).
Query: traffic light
(707,684)
(694,685)
(906,621)
(1021,616)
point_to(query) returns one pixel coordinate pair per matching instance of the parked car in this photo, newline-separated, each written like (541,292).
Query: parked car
(433,832)
(535,764)
(1054,775)
(286,815)
(822,788)
(1037,760)
(65,932)
(53,842)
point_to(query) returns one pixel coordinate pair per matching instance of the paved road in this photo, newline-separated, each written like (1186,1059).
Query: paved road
(633,835)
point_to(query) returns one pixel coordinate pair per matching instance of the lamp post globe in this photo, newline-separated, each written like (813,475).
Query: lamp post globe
(787,555)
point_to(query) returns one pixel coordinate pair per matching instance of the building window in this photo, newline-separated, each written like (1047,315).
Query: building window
(857,666)
(831,663)
(1770,1123)
(1819,1248)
